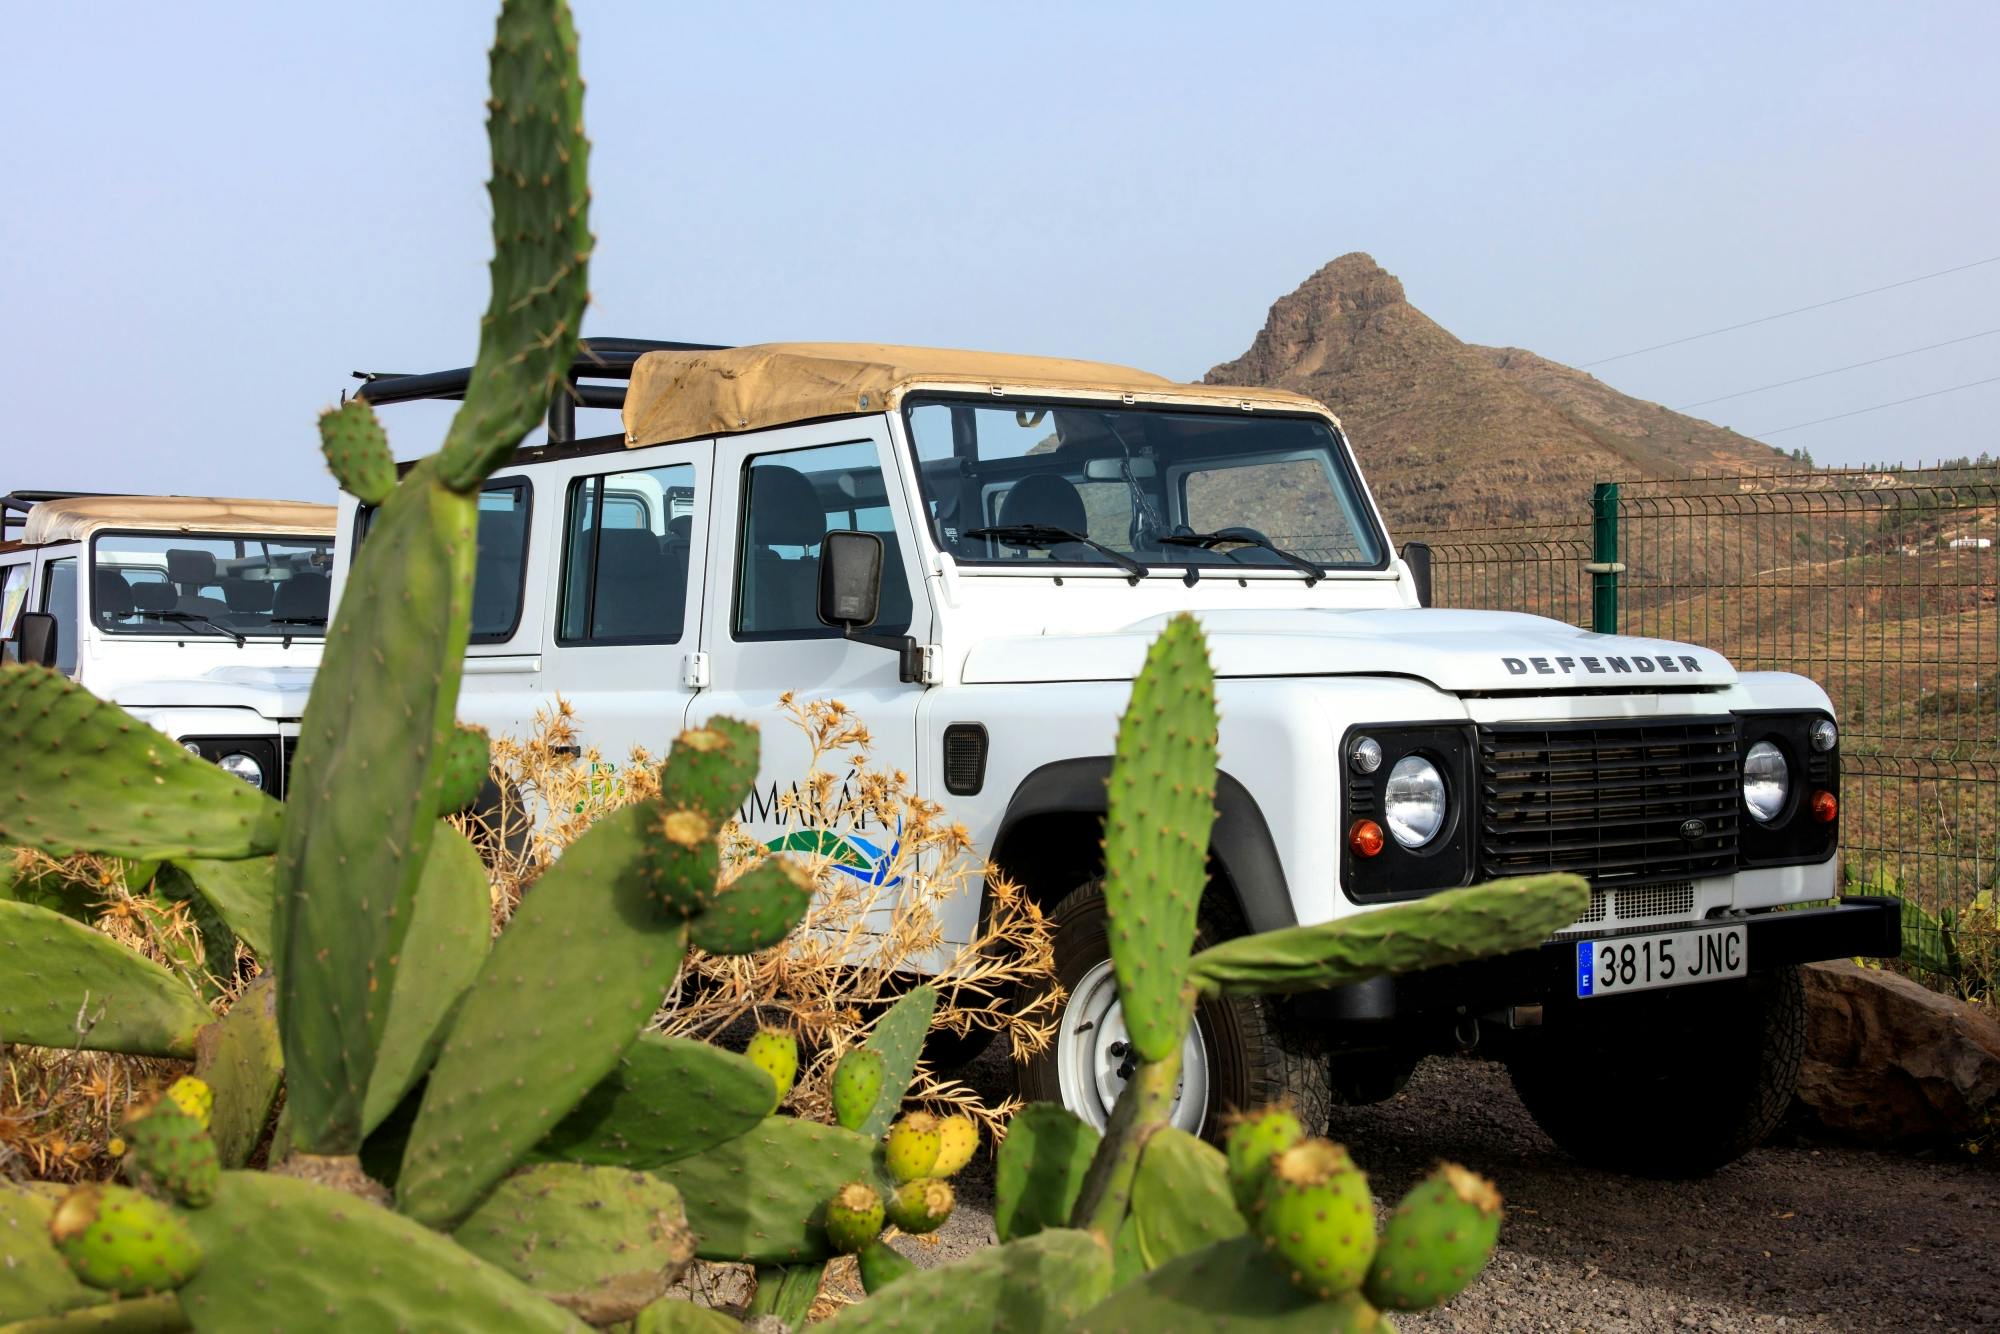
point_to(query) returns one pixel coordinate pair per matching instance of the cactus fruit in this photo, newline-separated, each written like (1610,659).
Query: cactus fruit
(958,1140)
(1317,1217)
(911,1148)
(857,1084)
(854,1217)
(711,768)
(882,1264)
(467,756)
(920,1206)
(899,1036)
(756,911)
(171,1154)
(776,1052)
(1160,805)
(80,775)
(1436,1242)
(54,970)
(683,860)
(357,451)
(123,1241)
(192,1096)
(1254,1139)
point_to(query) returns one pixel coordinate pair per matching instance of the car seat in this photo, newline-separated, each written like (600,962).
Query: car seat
(781,592)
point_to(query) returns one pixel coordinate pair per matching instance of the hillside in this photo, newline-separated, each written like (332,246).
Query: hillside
(1452,433)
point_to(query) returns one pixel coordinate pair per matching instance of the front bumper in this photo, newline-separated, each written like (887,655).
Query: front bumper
(1862,926)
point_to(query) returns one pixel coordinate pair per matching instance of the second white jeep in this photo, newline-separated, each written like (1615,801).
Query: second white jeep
(973,551)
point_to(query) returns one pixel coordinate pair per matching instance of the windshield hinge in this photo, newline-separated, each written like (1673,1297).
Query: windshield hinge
(927,672)
(694,671)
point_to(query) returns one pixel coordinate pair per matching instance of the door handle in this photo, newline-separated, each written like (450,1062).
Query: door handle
(568,752)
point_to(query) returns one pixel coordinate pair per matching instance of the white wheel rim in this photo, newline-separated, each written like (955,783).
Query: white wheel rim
(1091,1054)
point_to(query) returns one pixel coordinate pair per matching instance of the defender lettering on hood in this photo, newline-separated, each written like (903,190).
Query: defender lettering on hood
(1602,666)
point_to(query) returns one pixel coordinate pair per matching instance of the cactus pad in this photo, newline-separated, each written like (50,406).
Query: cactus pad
(1035,1286)
(776,1052)
(958,1140)
(1040,1169)
(1180,1198)
(80,775)
(468,753)
(1254,1139)
(920,1206)
(564,992)
(1230,1285)
(911,1148)
(854,1217)
(124,1242)
(1436,1242)
(756,911)
(38,1279)
(242,893)
(857,1086)
(1317,1218)
(672,1315)
(357,451)
(1452,926)
(602,1242)
(300,1254)
(761,1198)
(239,1059)
(172,1156)
(882,1264)
(668,1098)
(683,861)
(899,1036)
(1159,808)
(451,927)
(54,970)
(711,768)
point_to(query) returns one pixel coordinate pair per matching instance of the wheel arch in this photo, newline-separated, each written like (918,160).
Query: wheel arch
(1050,840)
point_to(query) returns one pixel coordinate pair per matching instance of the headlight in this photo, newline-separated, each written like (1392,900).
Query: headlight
(1766,782)
(191,748)
(1414,801)
(243,766)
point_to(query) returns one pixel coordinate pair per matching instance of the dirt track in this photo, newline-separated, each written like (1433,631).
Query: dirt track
(1801,1235)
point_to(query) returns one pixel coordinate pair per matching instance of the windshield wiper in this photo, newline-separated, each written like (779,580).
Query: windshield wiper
(1048,535)
(189,618)
(1248,537)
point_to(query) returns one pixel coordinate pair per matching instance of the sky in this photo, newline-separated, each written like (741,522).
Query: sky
(219,210)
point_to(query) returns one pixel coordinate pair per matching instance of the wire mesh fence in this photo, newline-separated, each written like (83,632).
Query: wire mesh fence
(1880,585)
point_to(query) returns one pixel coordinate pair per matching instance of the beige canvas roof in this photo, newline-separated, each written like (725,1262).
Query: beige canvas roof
(79,516)
(684,395)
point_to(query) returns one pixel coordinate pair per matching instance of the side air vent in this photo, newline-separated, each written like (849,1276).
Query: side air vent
(964,759)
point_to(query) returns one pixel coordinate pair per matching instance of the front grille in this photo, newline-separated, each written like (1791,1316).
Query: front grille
(287,747)
(1635,906)
(1612,801)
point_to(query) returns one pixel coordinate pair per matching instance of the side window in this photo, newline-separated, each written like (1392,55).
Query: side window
(13,592)
(503,560)
(625,558)
(791,501)
(59,601)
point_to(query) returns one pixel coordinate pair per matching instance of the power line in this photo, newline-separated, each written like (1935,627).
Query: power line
(1786,314)
(1758,435)
(1820,375)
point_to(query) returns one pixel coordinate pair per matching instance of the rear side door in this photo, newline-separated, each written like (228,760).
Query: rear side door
(777,494)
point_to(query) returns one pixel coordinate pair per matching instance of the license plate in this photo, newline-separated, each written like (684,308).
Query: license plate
(1671,959)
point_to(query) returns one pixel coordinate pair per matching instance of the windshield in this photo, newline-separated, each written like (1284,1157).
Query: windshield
(188,584)
(1138,485)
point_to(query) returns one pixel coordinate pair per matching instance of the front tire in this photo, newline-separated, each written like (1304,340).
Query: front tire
(1234,1059)
(1671,1084)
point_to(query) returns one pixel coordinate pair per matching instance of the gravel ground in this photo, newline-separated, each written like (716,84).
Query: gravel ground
(1801,1235)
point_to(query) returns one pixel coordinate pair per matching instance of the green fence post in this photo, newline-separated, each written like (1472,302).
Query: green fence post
(1604,567)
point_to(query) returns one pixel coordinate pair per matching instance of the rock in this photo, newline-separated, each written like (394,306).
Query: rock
(1889,1061)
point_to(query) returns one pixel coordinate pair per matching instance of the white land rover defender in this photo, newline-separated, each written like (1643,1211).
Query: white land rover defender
(202,617)
(974,551)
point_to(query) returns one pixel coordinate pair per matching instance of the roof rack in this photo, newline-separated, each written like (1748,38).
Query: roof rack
(14,507)
(596,359)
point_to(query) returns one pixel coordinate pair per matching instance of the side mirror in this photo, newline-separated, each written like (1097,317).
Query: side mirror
(850,579)
(1417,555)
(35,638)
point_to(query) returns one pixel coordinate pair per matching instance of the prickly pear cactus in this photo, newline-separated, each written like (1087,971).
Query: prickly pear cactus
(171,1155)
(1040,1169)
(357,452)
(899,1036)
(1034,1286)
(1159,808)
(239,1059)
(882,1264)
(55,971)
(124,1242)
(1317,1217)
(755,911)
(1230,1285)
(1437,1240)
(857,1084)
(669,1098)
(365,791)
(467,754)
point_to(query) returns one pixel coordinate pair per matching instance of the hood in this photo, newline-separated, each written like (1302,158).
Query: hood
(1460,651)
(276,693)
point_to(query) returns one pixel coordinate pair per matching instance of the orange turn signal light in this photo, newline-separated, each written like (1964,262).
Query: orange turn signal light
(1365,837)
(1825,806)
